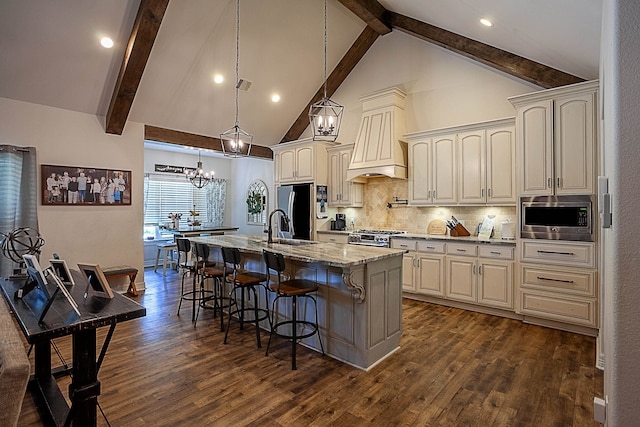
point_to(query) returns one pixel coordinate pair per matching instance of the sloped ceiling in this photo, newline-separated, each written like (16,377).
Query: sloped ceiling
(49,52)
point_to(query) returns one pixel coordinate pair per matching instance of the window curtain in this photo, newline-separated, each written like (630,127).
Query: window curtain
(216,197)
(18,194)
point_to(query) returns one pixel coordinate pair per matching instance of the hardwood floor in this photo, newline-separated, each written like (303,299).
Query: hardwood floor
(454,368)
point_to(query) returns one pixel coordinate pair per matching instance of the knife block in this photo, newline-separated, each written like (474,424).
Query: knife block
(459,231)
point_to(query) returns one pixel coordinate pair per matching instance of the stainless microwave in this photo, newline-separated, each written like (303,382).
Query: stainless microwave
(557,218)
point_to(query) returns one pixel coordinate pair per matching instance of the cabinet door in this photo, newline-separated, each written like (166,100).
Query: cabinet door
(535,136)
(574,144)
(495,283)
(444,169)
(430,275)
(347,187)
(501,160)
(408,283)
(304,164)
(461,279)
(472,167)
(335,179)
(419,172)
(286,165)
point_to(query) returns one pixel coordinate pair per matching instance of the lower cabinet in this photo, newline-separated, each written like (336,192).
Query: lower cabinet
(333,237)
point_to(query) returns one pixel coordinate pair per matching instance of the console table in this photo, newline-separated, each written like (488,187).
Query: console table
(61,321)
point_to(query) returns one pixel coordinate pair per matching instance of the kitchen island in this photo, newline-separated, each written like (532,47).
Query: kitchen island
(360,296)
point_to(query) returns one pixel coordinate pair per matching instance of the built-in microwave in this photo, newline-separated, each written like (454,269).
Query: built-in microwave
(557,218)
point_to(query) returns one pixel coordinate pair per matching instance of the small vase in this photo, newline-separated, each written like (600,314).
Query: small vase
(176,224)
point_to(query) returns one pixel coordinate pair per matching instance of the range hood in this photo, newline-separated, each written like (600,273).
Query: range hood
(380,149)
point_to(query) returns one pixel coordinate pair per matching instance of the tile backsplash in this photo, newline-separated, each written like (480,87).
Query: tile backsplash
(378,192)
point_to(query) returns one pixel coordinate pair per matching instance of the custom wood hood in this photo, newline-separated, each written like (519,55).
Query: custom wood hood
(380,149)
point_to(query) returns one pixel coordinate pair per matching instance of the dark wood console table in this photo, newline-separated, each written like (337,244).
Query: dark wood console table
(60,321)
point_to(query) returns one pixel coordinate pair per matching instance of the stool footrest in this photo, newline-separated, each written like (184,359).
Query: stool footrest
(313,326)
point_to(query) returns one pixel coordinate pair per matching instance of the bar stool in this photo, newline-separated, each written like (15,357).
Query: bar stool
(166,248)
(206,271)
(243,282)
(190,267)
(293,289)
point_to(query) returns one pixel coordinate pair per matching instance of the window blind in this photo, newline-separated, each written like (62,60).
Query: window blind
(166,195)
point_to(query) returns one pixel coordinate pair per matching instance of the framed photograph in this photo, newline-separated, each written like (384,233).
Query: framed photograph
(61,270)
(32,262)
(75,185)
(96,282)
(66,293)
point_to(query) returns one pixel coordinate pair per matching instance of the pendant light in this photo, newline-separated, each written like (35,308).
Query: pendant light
(235,141)
(325,116)
(198,177)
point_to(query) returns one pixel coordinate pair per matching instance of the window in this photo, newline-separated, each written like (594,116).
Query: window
(164,195)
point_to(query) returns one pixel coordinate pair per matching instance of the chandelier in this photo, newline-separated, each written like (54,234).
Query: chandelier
(198,177)
(235,141)
(325,116)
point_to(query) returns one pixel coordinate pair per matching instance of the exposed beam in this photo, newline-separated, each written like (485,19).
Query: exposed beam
(531,71)
(153,133)
(335,79)
(371,12)
(144,32)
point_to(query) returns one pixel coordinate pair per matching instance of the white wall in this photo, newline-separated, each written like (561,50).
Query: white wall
(245,171)
(621,93)
(100,234)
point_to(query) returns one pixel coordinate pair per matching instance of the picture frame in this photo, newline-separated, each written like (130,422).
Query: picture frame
(96,281)
(93,186)
(60,268)
(65,292)
(32,262)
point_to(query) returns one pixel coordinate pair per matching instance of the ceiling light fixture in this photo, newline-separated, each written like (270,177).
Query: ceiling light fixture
(235,141)
(275,98)
(218,78)
(486,22)
(325,116)
(106,42)
(198,177)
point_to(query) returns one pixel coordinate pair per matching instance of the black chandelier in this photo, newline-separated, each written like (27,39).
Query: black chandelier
(198,177)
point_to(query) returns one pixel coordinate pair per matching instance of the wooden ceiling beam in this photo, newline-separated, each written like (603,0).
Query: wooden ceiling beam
(143,35)
(371,12)
(362,44)
(517,66)
(158,134)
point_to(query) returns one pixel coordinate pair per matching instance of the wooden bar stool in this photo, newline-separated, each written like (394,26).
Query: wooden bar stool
(244,283)
(208,270)
(166,248)
(187,267)
(291,289)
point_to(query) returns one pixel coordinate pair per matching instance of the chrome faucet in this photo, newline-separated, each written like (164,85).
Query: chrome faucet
(270,231)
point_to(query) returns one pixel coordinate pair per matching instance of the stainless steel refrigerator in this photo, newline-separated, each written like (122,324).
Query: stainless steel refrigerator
(297,201)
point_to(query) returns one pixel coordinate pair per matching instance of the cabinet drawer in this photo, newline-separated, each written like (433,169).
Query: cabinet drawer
(578,311)
(431,247)
(333,238)
(559,253)
(494,251)
(558,280)
(404,244)
(462,249)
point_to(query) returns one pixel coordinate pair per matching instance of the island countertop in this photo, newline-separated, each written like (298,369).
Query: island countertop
(331,254)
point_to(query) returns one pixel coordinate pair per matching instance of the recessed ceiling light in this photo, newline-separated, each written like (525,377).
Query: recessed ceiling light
(275,97)
(486,22)
(106,42)
(218,78)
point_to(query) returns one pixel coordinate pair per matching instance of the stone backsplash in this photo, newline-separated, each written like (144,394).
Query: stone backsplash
(375,214)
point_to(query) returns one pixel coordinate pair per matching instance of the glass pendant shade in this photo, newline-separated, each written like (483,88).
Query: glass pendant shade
(325,118)
(236,142)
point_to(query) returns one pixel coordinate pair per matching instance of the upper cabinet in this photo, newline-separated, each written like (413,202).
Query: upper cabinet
(342,193)
(300,161)
(467,165)
(556,133)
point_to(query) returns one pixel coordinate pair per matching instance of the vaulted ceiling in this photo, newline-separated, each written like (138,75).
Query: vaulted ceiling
(49,53)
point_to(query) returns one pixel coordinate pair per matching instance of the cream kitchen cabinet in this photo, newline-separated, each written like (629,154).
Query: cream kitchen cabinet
(480,274)
(342,193)
(432,170)
(556,132)
(300,161)
(423,266)
(487,164)
(558,283)
(333,237)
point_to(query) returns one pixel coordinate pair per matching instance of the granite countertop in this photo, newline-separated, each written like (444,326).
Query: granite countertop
(332,254)
(465,239)
(345,232)
(200,228)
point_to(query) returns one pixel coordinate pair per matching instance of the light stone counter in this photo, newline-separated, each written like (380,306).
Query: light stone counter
(466,239)
(360,295)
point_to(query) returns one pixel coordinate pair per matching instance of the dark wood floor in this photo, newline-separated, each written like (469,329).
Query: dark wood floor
(454,368)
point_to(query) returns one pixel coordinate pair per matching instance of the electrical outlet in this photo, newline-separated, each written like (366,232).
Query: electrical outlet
(599,410)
